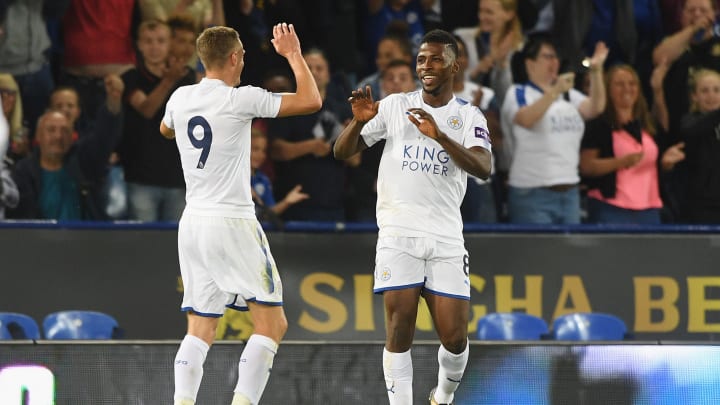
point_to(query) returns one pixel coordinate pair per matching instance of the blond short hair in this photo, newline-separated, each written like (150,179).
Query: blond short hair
(215,44)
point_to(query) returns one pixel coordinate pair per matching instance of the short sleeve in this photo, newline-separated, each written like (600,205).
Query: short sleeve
(376,129)
(576,97)
(254,102)
(167,118)
(477,133)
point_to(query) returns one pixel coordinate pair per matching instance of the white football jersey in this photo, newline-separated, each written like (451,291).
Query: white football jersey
(419,187)
(212,129)
(548,153)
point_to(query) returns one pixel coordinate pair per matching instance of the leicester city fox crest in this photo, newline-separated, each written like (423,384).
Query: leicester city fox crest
(454,122)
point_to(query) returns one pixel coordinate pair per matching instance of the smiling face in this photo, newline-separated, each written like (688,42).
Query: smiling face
(436,66)
(623,89)
(706,94)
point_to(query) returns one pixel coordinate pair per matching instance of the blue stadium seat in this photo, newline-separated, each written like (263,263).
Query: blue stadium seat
(511,326)
(589,326)
(18,326)
(80,325)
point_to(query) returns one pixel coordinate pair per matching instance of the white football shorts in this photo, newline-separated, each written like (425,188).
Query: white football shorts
(440,268)
(225,262)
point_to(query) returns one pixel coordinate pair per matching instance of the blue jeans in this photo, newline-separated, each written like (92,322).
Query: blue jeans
(600,212)
(154,203)
(479,203)
(540,205)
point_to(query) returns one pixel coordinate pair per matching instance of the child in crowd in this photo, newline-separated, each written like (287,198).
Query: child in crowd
(266,206)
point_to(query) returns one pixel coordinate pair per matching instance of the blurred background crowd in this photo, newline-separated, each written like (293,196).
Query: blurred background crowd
(600,111)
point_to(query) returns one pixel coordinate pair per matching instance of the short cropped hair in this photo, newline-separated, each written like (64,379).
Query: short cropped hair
(182,22)
(442,37)
(215,44)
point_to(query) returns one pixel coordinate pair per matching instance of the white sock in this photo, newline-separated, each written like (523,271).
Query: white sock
(398,371)
(452,367)
(254,368)
(189,368)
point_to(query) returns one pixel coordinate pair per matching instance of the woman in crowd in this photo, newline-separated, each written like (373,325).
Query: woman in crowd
(699,131)
(543,121)
(620,156)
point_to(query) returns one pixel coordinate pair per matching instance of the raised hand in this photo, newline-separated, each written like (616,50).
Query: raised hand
(364,108)
(600,54)
(285,40)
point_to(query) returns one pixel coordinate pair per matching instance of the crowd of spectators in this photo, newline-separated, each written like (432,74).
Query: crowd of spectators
(600,111)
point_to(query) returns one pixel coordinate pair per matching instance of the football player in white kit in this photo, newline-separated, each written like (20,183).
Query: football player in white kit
(433,140)
(224,256)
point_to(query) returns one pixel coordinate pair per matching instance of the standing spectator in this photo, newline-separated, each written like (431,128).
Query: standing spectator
(24,44)
(692,48)
(699,132)
(151,163)
(63,179)
(491,45)
(13,112)
(205,13)
(300,148)
(620,156)
(97,42)
(543,122)
(9,196)
(432,141)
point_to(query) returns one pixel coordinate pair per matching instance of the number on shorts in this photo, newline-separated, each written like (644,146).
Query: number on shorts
(203,143)
(466,265)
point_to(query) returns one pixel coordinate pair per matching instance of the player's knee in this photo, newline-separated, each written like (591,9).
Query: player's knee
(455,343)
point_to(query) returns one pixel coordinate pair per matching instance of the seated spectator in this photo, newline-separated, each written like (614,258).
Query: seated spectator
(300,148)
(619,156)
(492,43)
(151,163)
(266,206)
(62,180)
(702,149)
(543,122)
(13,114)
(9,196)
(479,203)
(391,47)
(693,47)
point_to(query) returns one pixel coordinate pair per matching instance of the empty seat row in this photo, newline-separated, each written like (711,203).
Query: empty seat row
(83,325)
(570,327)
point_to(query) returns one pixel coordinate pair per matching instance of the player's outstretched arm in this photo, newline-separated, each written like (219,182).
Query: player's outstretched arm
(307,98)
(364,109)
